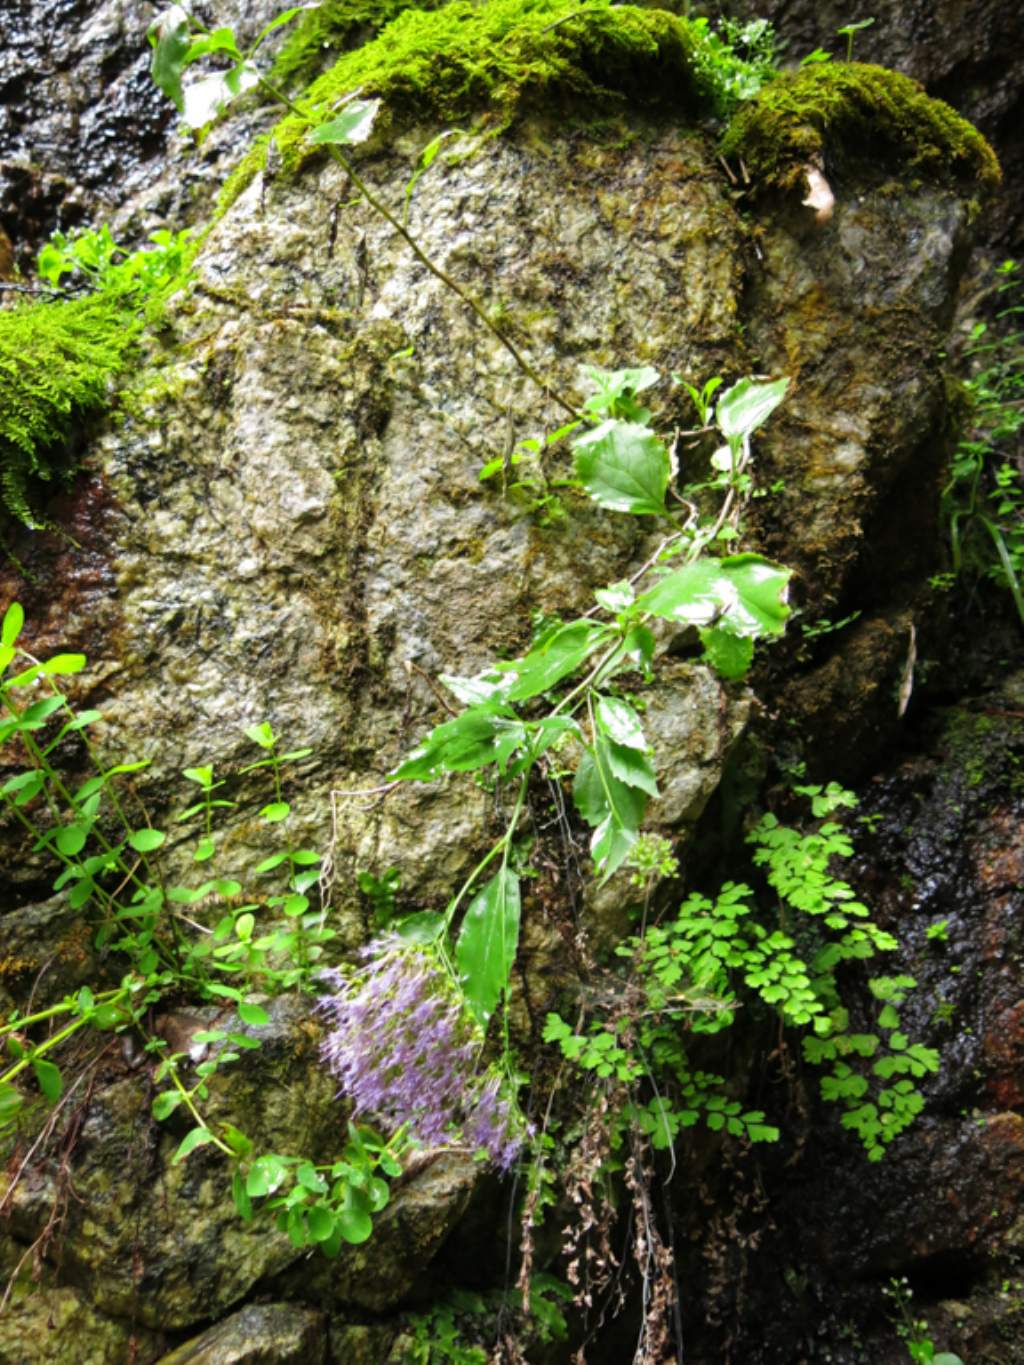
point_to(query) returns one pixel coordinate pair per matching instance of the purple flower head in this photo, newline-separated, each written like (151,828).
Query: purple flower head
(402,1046)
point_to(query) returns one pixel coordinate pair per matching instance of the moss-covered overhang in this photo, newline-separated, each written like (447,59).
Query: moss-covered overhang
(844,109)
(498,60)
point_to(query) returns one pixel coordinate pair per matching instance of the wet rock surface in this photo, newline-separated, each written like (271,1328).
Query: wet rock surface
(942,853)
(83,129)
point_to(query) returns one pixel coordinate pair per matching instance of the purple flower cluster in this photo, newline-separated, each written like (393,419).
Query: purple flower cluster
(403,1048)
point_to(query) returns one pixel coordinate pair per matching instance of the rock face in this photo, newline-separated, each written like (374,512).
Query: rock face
(288,525)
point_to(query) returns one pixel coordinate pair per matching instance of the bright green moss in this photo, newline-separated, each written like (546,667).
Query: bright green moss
(334,27)
(57,361)
(843,107)
(501,56)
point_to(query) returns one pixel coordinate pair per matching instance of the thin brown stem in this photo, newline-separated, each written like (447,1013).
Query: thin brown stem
(398,226)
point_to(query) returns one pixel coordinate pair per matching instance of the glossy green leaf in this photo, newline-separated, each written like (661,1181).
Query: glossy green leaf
(354,1221)
(265,1176)
(220,40)
(198,1137)
(613,391)
(559,656)
(261,734)
(613,807)
(632,767)
(480,736)
(353,124)
(253,1015)
(748,405)
(624,468)
(204,99)
(617,597)
(275,811)
(170,38)
(320,1220)
(487,943)
(598,792)
(742,594)
(164,1105)
(610,846)
(425,926)
(620,722)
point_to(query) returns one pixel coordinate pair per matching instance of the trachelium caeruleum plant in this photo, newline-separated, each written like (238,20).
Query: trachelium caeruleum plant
(405,1049)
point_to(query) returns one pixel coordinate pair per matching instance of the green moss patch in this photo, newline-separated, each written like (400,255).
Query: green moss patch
(502,56)
(848,106)
(57,361)
(334,27)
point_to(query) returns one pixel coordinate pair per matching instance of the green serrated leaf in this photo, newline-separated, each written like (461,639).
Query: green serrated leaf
(620,722)
(560,654)
(624,468)
(481,735)
(728,654)
(487,943)
(632,767)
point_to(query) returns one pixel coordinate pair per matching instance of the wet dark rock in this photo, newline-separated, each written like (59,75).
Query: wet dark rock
(83,129)
(259,1334)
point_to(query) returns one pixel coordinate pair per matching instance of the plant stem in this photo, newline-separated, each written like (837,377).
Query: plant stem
(396,224)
